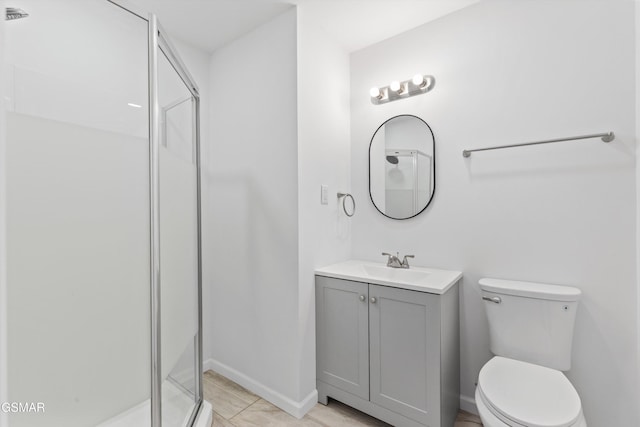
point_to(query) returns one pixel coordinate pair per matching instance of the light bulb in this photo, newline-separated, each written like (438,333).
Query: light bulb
(375,92)
(395,86)
(418,80)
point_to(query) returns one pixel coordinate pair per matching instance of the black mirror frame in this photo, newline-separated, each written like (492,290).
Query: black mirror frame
(434,166)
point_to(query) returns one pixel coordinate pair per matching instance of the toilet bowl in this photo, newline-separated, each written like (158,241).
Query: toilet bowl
(511,393)
(531,330)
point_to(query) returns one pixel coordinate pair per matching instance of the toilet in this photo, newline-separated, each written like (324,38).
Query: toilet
(531,330)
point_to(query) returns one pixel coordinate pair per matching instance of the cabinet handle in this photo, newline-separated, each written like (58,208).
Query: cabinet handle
(362,298)
(373,300)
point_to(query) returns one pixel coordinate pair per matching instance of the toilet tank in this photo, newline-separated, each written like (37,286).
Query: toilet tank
(531,322)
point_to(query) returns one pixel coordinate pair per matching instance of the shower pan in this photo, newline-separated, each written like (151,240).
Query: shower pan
(103,243)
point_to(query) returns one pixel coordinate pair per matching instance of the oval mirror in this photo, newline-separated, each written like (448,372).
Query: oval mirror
(402,167)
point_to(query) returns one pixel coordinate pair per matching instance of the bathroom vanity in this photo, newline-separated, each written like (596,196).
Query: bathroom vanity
(388,341)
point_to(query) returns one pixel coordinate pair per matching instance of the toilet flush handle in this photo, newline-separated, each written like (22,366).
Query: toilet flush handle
(497,300)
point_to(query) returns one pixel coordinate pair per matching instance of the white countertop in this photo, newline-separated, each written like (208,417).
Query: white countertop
(431,280)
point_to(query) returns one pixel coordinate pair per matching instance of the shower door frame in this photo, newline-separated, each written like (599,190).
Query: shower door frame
(160,44)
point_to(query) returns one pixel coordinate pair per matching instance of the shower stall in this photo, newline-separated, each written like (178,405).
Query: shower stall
(103,247)
(408,183)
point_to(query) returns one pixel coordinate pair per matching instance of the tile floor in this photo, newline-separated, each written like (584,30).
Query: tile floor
(235,406)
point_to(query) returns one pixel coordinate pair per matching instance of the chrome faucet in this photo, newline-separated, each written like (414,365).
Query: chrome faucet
(394,260)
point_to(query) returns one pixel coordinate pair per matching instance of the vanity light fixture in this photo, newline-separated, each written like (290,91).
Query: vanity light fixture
(375,92)
(418,85)
(419,81)
(396,87)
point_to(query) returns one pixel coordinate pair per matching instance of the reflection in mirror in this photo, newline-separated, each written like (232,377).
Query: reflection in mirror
(402,167)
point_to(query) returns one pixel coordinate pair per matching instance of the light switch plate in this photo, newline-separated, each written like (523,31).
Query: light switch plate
(324,194)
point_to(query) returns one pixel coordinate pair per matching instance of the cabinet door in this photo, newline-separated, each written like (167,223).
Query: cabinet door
(342,333)
(405,352)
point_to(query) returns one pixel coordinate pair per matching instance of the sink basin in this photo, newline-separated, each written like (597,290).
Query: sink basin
(394,274)
(422,279)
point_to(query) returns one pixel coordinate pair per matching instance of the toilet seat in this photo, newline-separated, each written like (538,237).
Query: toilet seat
(524,394)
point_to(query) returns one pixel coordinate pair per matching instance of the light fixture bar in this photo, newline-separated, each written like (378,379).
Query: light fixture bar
(396,90)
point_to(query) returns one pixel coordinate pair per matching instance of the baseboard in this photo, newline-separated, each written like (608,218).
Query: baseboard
(468,404)
(292,407)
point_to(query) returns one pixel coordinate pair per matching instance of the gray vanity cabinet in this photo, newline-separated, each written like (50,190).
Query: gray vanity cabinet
(389,352)
(403,354)
(343,335)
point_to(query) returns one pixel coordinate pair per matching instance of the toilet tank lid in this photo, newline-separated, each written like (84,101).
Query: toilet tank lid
(530,289)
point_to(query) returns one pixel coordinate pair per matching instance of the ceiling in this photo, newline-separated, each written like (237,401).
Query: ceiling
(355,24)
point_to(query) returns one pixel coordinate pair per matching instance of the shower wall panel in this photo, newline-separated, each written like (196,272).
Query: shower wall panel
(78,271)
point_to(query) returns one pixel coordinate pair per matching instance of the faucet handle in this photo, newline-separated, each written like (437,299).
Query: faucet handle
(389,259)
(405,261)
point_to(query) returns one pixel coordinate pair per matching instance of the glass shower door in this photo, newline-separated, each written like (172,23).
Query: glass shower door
(77,212)
(102,180)
(176,190)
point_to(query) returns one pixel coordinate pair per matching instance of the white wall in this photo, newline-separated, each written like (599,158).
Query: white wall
(252,196)
(565,213)
(637,43)
(268,230)
(3,265)
(324,158)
